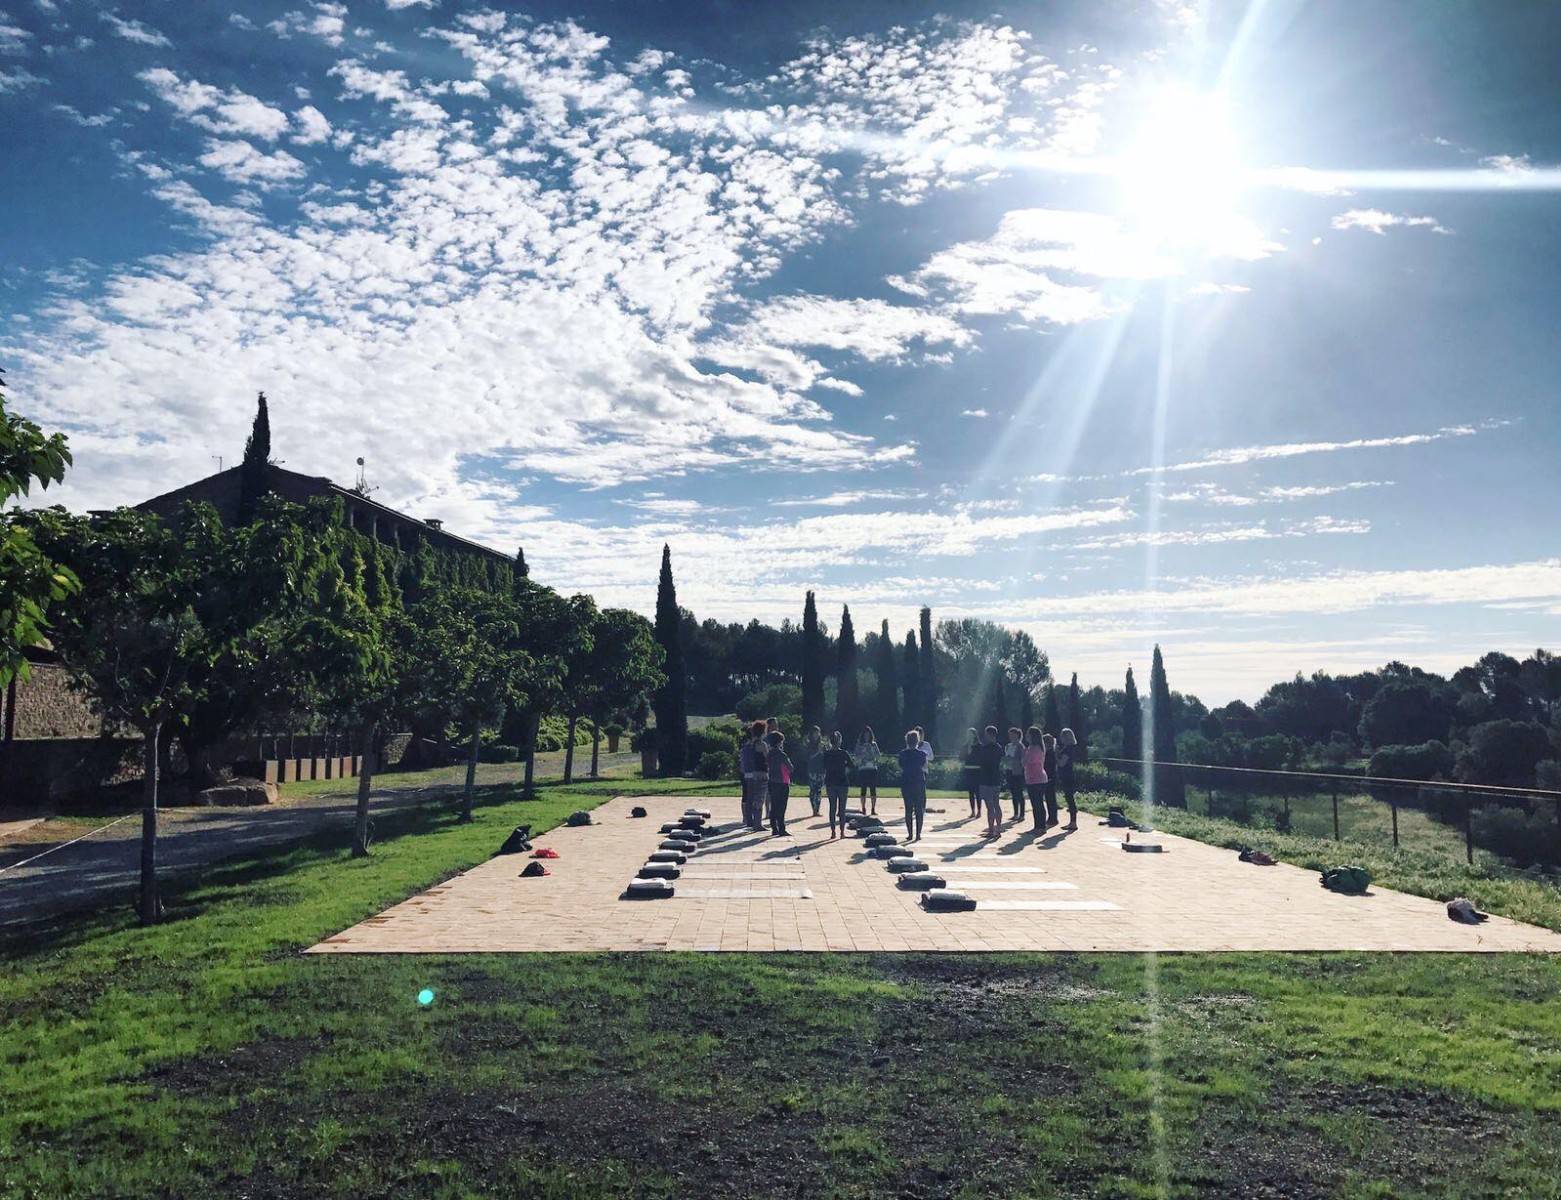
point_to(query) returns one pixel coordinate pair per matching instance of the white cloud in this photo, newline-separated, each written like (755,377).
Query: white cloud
(1221,534)
(240,162)
(845,499)
(393,5)
(1374,220)
(326,22)
(1217,289)
(1211,493)
(13,38)
(1238,455)
(871,329)
(974,412)
(222,112)
(310,126)
(134,31)
(1512,164)
(17,80)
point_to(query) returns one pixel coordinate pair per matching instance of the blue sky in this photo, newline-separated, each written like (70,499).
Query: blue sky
(1224,326)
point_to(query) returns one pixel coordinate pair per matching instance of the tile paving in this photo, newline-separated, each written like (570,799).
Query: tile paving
(749,892)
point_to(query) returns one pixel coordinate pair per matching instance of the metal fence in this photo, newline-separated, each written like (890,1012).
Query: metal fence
(1520,824)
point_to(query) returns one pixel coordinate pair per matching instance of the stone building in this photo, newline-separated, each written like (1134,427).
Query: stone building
(52,745)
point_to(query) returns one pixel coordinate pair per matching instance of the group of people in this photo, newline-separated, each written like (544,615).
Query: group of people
(827,767)
(1034,766)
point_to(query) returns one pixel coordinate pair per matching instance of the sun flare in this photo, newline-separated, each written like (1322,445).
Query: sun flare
(1180,176)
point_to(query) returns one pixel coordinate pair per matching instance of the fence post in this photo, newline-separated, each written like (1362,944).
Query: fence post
(1468,828)
(1393,800)
(1335,812)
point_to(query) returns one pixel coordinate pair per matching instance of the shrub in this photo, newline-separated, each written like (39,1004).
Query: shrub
(1525,838)
(777,700)
(1091,777)
(643,739)
(498,752)
(1425,761)
(716,764)
(718,737)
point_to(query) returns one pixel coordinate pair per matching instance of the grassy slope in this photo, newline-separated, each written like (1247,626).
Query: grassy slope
(184,1060)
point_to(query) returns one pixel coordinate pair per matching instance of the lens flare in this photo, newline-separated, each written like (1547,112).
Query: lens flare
(426,997)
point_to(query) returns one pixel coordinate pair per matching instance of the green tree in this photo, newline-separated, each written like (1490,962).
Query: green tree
(1408,713)
(29,581)
(1053,717)
(1132,721)
(814,667)
(927,682)
(621,664)
(671,698)
(888,685)
(1167,779)
(257,461)
(1503,753)
(136,642)
(848,702)
(910,675)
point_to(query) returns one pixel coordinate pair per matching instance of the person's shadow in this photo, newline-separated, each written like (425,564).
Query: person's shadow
(1022,842)
(1055,840)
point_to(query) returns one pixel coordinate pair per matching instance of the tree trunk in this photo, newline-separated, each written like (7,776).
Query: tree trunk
(530,722)
(596,748)
(150,908)
(360,832)
(569,751)
(471,773)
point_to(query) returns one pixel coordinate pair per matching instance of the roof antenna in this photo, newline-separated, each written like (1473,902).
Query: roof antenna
(362,486)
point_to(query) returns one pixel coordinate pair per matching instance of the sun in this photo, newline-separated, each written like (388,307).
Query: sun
(1180,176)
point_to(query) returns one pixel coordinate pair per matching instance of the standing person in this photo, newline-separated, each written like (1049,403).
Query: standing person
(913,784)
(837,774)
(757,775)
(1035,778)
(1068,753)
(748,768)
(971,770)
(926,746)
(866,756)
(778,763)
(989,779)
(813,759)
(1013,769)
(1050,743)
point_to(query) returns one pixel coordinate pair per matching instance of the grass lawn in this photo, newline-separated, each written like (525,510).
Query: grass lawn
(208,1057)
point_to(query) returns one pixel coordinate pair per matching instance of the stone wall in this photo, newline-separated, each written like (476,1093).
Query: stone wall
(47,707)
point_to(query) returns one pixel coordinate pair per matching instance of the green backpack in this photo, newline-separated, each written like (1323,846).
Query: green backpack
(1351,881)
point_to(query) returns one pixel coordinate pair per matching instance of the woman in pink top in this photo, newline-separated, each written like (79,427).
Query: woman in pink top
(1035,778)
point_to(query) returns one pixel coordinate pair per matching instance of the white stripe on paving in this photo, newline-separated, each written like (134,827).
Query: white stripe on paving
(995,885)
(1049,905)
(742,893)
(1001,870)
(765,875)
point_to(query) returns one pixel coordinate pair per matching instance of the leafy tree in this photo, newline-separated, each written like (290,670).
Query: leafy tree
(1078,719)
(1163,716)
(848,705)
(554,632)
(29,581)
(1503,753)
(622,665)
(136,642)
(910,675)
(775,700)
(1428,760)
(888,684)
(1132,721)
(1053,718)
(1309,708)
(1408,712)
(671,699)
(813,665)
(927,684)
(257,459)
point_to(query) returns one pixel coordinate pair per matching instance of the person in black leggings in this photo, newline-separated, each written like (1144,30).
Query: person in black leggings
(913,784)
(837,774)
(1068,753)
(971,768)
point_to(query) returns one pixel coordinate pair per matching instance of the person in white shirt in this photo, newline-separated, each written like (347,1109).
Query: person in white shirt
(925,746)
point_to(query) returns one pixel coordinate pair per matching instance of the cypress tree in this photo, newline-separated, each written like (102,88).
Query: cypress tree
(1076,720)
(522,571)
(928,682)
(671,701)
(888,686)
(1168,779)
(848,708)
(257,457)
(813,666)
(910,673)
(1053,718)
(1026,708)
(1132,721)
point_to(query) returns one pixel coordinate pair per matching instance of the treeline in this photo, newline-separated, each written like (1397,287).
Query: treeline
(193,631)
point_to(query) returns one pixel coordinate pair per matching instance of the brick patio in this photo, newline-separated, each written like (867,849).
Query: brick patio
(745,891)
